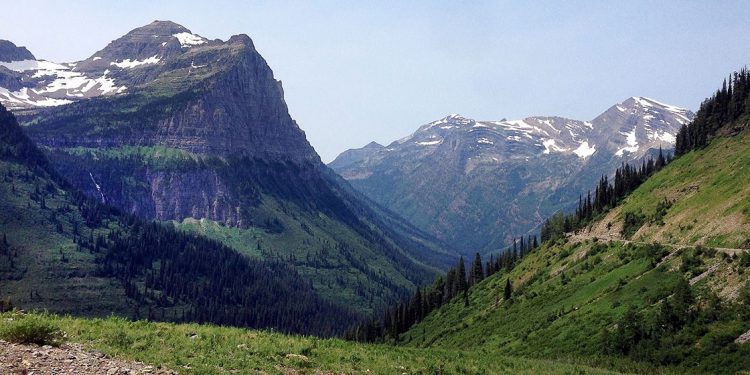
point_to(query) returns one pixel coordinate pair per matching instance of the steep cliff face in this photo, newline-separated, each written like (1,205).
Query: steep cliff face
(201,135)
(206,100)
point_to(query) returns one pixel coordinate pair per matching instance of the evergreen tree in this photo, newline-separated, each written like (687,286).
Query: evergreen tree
(508,292)
(477,272)
(461,276)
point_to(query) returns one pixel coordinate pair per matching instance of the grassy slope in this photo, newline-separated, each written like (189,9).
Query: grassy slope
(551,318)
(710,189)
(206,349)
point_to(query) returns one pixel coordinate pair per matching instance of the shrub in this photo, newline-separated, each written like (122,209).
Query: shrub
(632,222)
(30,329)
(745,260)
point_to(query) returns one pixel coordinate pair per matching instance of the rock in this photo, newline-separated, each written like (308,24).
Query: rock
(23,359)
(298,357)
(11,52)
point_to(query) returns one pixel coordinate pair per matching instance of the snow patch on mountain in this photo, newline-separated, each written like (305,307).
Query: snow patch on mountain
(189,40)
(648,103)
(59,84)
(664,136)
(631,140)
(485,141)
(549,146)
(430,143)
(27,97)
(584,150)
(132,64)
(24,65)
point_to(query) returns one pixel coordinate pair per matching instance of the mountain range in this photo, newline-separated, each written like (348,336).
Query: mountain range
(166,125)
(479,184)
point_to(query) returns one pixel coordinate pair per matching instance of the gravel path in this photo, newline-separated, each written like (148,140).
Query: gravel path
(67,359)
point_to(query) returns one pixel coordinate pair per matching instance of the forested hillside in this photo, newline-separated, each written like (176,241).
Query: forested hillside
(724,113)
(198,134)
(67,253)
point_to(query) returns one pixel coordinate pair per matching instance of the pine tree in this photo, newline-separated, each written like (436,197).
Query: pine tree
(477,272)
(508,292)
(461,276)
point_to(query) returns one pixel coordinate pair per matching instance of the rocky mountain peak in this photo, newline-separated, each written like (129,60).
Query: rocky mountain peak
(374,145)
(134,59)
(144,45)
(637,125)
(452,119)
(10,52)
(161,28)
(242,39)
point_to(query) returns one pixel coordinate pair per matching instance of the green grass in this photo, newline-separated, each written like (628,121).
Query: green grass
(156,157)
(710,189)
(554,316)
(32,329)
(206,349)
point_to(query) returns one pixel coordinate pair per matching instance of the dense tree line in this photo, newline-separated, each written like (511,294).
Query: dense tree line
(607,194)
(729,105)
(456,284)
(197,279)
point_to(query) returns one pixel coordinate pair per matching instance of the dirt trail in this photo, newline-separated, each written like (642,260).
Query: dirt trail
(583,236)
(67,359)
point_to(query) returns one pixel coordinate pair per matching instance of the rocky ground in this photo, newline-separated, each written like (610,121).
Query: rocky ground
(66,359)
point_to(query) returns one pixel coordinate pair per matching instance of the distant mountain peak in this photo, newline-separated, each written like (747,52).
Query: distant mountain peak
(473,183)
(645,102)
(131,60)
(451,119)
(160,28)
(373,144)
(9,52)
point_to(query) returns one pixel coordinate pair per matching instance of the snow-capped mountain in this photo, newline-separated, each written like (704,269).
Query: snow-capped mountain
(637,125)
(629,129)
(198,131)
(476,183)
(27,82)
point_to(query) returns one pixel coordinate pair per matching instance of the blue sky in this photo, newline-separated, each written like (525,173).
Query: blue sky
(354,72)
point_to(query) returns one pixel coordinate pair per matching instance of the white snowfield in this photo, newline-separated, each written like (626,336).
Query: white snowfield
(583,151)
(132,64)
(24,65)
(60,85)
(189,40)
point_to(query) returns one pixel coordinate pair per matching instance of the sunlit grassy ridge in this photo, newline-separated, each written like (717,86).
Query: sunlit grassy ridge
(708,193)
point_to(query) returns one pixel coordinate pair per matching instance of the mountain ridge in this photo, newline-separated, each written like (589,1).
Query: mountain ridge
(448,176)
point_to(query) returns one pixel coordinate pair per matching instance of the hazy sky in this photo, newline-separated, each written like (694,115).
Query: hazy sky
(356,72)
